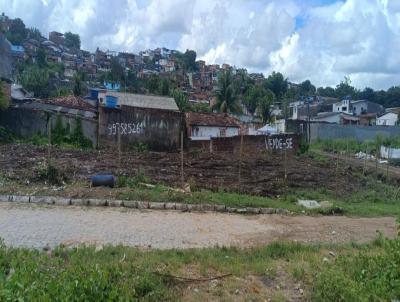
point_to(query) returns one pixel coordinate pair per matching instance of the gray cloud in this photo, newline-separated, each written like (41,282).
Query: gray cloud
(356,38)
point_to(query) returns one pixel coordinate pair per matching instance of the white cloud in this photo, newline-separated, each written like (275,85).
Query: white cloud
(356,38)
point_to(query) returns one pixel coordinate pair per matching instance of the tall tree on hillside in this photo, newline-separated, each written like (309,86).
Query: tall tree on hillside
(264,105)
(327,91)
(181,100)
(4,101)
(277,84)
(227,100)
(33,33)
(17,32)
(78,84)
(367,94)
(189,58)
(72,40)
(36,79)
(344,89)
(307,89)
(254,97)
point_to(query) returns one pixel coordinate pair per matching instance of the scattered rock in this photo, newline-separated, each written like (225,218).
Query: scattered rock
(332,254)
(333,233)
(309,204)
(325,259)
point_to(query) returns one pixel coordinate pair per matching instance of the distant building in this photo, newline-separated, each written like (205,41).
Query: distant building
(204,126)
(358,107)
(57,38)
(336,118)
(390,118)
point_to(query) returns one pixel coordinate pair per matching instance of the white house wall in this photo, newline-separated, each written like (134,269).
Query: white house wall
(389,119)
(206,132)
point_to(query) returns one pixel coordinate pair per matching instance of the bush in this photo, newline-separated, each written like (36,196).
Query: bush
(131,182)
(363,277)
(6,135)
(50,173)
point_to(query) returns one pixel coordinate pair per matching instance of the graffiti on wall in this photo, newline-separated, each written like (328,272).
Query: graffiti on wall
(279,143)
(125,128)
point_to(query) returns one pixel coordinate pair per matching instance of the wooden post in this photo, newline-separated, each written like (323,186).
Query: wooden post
(337,174)
(285,163)
(49,138)
(182,176)
(98,127)
(365,159)
(387,165)
(240,159)
(376,162)
(119,150)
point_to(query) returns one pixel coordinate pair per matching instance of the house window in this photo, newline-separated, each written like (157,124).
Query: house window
(196,131)
(344,108)
(222,132)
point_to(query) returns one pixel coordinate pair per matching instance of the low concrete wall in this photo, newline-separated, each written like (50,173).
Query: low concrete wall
(252,144)
(159,129)
(27,122)
(360,133)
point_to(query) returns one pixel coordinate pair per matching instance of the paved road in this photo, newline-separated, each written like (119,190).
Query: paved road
(38,225)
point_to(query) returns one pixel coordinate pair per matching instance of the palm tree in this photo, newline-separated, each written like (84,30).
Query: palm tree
(227,100)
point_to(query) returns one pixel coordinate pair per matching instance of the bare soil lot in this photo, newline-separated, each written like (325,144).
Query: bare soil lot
(263,175)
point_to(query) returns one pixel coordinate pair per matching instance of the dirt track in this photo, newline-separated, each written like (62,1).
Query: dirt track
(261,176)
(38,226)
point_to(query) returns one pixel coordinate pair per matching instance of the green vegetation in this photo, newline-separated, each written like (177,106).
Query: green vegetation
(352,146)
(226,95)
(48,171)
(367,272)
(72,40)
(4,100)
(6,135)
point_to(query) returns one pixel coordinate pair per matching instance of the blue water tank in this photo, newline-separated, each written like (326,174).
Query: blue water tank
(94,94)
(103,180)
(111,101)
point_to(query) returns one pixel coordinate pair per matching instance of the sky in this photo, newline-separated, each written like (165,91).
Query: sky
(319,40)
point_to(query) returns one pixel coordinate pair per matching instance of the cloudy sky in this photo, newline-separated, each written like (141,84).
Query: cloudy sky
(320,40)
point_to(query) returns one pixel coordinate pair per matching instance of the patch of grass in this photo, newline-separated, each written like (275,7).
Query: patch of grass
(358,273)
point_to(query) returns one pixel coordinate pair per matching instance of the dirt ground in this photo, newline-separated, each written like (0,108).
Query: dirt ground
(263,175)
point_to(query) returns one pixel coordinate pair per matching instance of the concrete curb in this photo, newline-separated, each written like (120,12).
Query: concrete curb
(183,207)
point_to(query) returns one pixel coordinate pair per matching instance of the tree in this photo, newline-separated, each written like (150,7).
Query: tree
(181,100)
(78,84)
(117,71)
(264,105)
(34,33)
(253,97)
(17,32)
(189,59)
(367,94)
(41,58)
(72,40)
(327,91)
(344,89)
(153,84)
(307,89)
(4,100)
(277,84)
(164,86)
(36,80)
(227,100)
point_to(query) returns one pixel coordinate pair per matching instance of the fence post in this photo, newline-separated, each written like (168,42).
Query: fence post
(182,176)
(49,138)
(240,159)
(337,174)
(119,151)
(365,159)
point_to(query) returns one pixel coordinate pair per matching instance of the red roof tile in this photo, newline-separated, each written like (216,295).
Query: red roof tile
(70,101)
(211,119)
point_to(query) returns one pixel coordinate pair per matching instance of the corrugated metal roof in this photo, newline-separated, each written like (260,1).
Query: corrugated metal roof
(142,101)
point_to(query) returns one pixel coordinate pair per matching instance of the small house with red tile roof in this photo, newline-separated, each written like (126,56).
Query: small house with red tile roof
(204,126)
